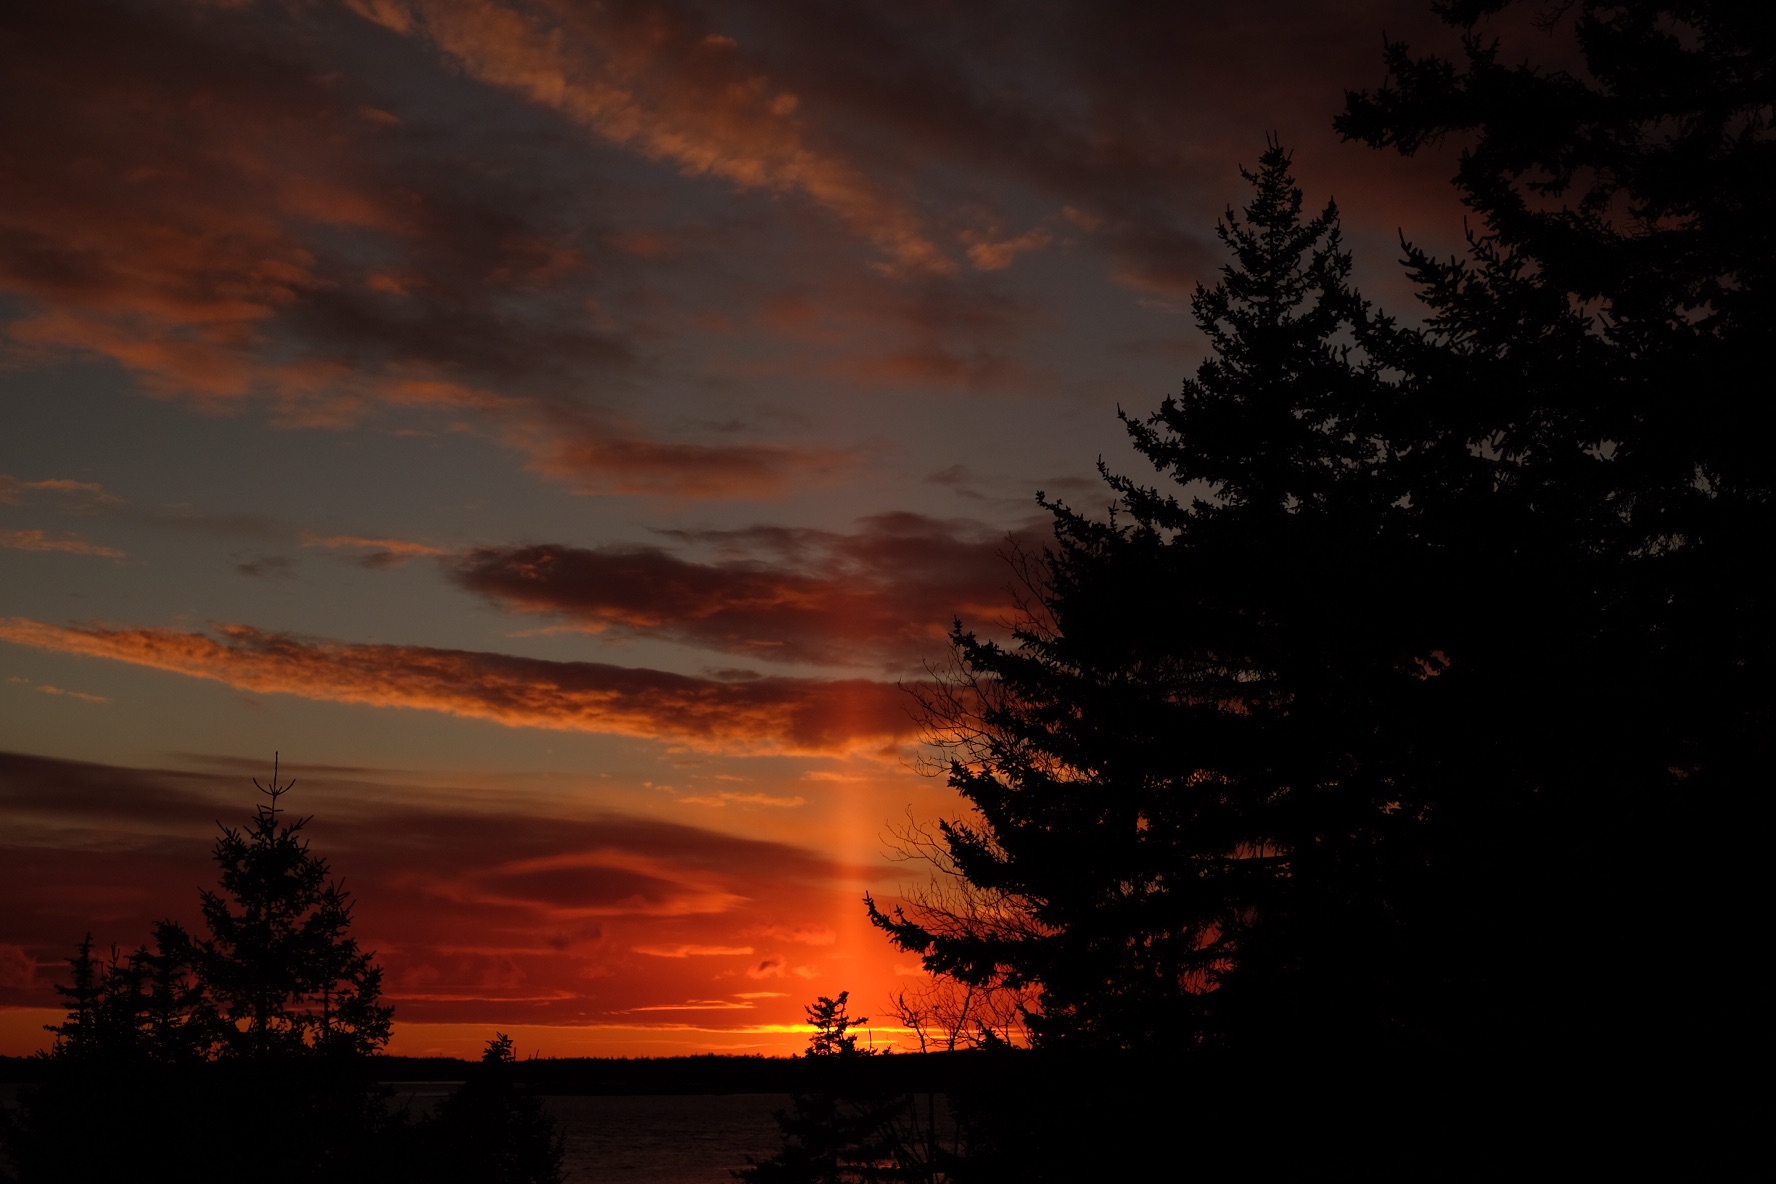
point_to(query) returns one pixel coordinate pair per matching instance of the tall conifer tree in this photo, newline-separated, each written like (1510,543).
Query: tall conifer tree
(1178,815)
(1416,711)
(280,961)
(1592,486)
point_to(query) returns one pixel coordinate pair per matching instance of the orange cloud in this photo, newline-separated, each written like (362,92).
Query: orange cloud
(378,553)
(399,547)
(808,935)
(669,91)
(82,696)
(847,328)
(39,540)
(154,230)
(12,490)
(746,799)
(768,714)
(989,254)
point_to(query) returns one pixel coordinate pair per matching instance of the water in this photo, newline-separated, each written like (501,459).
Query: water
(682,1139)
(650,1139)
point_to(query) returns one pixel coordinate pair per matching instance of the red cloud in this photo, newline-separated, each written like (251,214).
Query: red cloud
(885,593)
(767,714)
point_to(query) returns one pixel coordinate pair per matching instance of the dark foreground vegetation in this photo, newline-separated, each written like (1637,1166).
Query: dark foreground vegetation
(1371,760)
(1401,708)
(248,1052)
(1368,795)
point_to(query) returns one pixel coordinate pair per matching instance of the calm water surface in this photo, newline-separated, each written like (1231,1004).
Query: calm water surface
(685,1139)
(652,1139)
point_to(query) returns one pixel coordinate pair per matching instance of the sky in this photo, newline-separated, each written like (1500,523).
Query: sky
(565,433)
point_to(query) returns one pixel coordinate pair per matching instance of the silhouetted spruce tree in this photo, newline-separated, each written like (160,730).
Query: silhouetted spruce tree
(493,1130)
(146,1006)
(280,963)
(78,1035)
(1411,714)
(843,1131)
(1185,830)
(180,1023)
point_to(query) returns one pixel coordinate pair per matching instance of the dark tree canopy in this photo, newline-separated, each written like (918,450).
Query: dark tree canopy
(244,1054)
(1593,475)
(1168,763)
(492,1130)
(144,1006)
(278,973)
(845,1130)
(1404,712)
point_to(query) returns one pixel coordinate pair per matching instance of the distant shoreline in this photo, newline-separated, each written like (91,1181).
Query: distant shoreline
(712,1073)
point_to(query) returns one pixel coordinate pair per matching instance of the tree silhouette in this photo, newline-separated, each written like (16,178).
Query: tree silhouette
(844,1131)
(146,1006)
(173,1057)
(1408,712)
(78,1035)
(832,1022)
(1591,485)
(492,1130)
(1169,767)
(280,962)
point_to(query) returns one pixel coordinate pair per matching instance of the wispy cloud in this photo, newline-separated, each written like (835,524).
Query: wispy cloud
(808,935)
(884,593)
(82,696)
(373,553)
(14,491)
(768,714)
(42,540)
(670,90)
(401,547)
(772,801)
(332,272)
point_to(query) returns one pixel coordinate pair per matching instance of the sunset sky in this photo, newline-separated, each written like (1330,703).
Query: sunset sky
(561,430)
